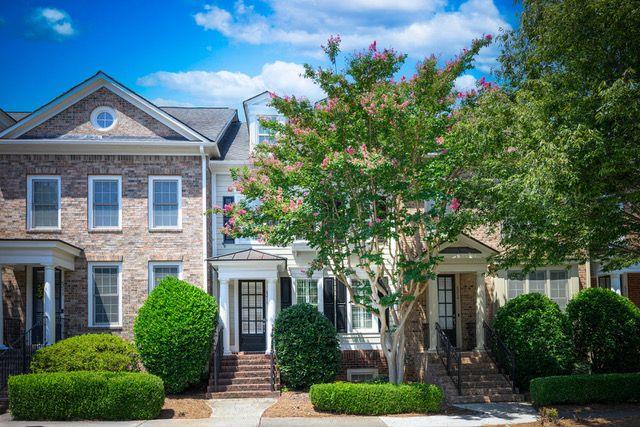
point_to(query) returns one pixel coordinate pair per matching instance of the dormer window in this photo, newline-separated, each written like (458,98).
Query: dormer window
(266,135)
(103,118)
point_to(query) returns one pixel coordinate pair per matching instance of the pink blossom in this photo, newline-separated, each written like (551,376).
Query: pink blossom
(242,212)
(272,95)
(217,207)
(373,46)
(228,208)
(316,214)
(378,220)
(325,163)
(488,37)
(404,104)
(482,81)
(350,151)
(511,149)
(439,140)
(455,204)
(370,223)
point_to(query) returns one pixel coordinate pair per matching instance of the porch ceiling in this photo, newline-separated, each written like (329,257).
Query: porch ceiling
(46,252)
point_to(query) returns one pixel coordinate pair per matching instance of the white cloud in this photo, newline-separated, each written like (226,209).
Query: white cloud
(418,28)
(227,88)
(465,83)
(50,23)
(163,102)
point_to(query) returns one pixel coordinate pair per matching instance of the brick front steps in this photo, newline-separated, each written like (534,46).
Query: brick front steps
(242,375)
(480,378)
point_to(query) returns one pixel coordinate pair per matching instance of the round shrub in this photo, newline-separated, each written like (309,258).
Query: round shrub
(307,347)
(174,332)
(376,399)
(90,352)
(83,395)
(536,330)
(606,331)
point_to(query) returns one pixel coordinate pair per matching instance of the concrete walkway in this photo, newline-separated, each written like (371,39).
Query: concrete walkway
(247,413)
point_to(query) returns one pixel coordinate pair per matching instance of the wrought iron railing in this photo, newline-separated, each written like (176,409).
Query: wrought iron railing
(450,357)
(273,371)
(16,358)
(217,353)
(501,354)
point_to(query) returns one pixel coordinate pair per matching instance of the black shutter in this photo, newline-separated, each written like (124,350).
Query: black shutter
(285,292)
(341,306)
(227,200)
(328,299)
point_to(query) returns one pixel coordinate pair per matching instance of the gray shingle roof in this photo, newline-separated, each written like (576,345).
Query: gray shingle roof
(210,122)
(235,143)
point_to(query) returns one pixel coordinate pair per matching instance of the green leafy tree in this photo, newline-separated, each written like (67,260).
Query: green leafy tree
(553,155)
(364,177)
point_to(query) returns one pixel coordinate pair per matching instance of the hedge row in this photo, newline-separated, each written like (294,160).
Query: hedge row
(581,389)
(376,399)
(84,395)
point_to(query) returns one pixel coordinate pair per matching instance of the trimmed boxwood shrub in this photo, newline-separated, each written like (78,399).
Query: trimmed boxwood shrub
(582,389)
(174,332)
(86,395)
(90,352)
(376,399)
(307,347)
(537,331)
(606,331)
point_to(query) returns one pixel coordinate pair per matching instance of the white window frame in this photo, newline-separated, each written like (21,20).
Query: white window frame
(30,180)
(103,109)
(309,280)
(362,371)
(152,179)
(547,284)
(268,117)
(90,268)
(351,328)
(93,178)
(153,264)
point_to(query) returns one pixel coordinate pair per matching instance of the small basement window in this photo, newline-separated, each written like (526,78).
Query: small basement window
(361,375)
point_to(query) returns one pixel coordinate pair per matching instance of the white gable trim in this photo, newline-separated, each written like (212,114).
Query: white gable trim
(86,88)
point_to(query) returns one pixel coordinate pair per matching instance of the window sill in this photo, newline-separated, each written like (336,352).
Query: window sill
(106,230)
(165,230)
(110,327)
(45,230)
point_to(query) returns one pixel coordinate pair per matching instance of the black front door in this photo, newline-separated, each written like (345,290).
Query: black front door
(447,306)
(38,304)
(252,316)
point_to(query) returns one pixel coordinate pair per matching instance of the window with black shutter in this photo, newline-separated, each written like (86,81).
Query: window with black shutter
(335,302)
(227,200)
(285,292)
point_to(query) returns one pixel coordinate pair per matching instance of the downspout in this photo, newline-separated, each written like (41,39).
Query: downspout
(205,270)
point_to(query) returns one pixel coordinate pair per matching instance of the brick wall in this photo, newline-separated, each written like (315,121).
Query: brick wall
(135,245)
(76,120)
(363,359)
(467,290)
(582,276)
(14,290)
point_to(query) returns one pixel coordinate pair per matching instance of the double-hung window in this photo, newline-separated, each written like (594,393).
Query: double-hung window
(265,135)
(307,291)
(43,202)
(165,202)
(105,294)
(552,283)
(361,318)
(559,287)
(105,202)
(227,200)
(515,284)
(160,270)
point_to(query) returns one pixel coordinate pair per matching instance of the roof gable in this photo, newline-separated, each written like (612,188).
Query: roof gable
(5,120)
(86,88)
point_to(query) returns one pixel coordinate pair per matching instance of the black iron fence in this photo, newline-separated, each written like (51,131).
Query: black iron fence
(501,354)
(273,372)
(450,357)
(217,353)
(16,358)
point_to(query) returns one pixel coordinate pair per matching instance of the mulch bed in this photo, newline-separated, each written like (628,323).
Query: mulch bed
(189,406)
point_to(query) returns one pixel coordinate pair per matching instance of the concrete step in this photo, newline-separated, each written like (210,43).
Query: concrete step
(243,380)
(245,363)
(241,394)
(240,387)
(492,398)
(244,373)
(484,391)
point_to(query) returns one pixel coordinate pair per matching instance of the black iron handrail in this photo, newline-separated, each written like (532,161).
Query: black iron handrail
(273,372)
(501,354)
(450,357)
(217,353)
(16,358)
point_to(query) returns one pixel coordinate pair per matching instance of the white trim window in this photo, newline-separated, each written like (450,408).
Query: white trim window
(160,270)
(362,375)
(307,291)
(361,318)
(553,283)
(165,202)
(43,202)
(104,118)
(265,135)
(105,294)
(105,202)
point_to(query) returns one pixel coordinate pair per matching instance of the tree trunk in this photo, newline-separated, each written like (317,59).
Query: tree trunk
(394,351)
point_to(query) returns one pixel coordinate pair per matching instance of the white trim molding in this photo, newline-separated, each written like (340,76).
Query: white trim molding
(91,308)
(30,180)
(92,179)
(154,264)
(152,179)
(103,109)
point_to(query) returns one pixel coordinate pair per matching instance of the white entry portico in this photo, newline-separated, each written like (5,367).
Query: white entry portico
(248,297)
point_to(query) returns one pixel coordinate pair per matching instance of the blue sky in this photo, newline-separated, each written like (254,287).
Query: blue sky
(217,53)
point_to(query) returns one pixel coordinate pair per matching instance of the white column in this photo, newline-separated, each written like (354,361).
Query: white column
(271,310)
(616,284)
(349,308)
(481,309)
(2,346)
(49,304)
(224,314)
(320,294)
(433,314)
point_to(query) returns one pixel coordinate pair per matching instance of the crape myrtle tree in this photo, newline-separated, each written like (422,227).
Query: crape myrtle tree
(363,176)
